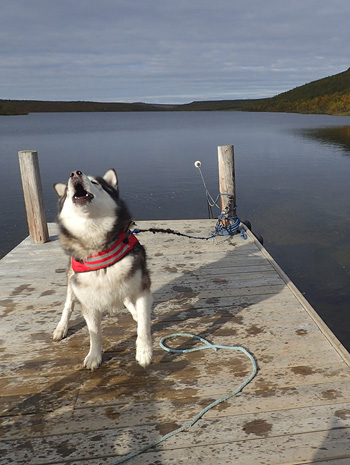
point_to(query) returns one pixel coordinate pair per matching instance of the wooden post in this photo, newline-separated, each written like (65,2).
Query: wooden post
(227,184)
(33,196)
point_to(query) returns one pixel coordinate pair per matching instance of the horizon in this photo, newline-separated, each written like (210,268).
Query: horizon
(143,102)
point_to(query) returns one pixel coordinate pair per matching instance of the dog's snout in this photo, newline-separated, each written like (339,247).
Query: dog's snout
(76,173)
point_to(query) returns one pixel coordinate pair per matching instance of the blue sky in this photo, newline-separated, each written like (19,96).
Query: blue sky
(167,51)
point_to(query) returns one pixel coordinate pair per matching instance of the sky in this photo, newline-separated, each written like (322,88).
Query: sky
(168,51)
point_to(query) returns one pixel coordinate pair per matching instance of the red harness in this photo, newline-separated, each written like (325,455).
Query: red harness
(108,257)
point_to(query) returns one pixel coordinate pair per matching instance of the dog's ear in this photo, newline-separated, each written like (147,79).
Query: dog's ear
(111,178)
(60,188)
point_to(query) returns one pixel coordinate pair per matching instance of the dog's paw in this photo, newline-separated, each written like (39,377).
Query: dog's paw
(144,354)
(60,332)
(92,361)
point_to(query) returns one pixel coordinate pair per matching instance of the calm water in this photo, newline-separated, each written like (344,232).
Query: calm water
(292,173)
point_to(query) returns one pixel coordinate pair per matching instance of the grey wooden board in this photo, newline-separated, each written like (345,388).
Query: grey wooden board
(229,290)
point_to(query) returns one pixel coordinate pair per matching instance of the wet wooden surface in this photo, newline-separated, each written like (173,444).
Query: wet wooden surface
(229,290)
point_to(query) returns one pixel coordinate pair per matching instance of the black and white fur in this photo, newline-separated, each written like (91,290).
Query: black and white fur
(90,216)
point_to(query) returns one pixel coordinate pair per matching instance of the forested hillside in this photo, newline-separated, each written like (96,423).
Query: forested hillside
(330,95)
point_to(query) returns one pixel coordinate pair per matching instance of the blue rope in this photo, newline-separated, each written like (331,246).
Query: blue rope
(186,426)
(232,227)
(232,222)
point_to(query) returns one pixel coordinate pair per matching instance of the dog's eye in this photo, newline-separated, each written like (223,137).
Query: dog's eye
(94,182)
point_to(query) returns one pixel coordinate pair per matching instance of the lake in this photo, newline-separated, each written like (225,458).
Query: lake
(292,174)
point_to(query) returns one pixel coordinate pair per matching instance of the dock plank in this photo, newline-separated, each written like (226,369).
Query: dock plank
(227,289)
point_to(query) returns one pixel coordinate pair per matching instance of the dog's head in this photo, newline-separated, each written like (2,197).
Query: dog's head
(81,190)
(93,199)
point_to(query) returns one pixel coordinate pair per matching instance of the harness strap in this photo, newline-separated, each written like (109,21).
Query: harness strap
(120,247)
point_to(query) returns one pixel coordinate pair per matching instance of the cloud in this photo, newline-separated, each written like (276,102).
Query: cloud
(166,51)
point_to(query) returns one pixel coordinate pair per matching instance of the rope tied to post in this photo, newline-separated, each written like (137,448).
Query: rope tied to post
(188,425)
(228,222)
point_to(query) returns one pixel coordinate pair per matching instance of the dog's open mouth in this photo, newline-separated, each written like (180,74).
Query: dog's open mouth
(81,196)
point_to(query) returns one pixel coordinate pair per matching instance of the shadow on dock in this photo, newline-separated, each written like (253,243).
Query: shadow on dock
(55,411)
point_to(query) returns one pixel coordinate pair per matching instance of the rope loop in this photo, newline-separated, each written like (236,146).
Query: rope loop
(207,344)
(186,426)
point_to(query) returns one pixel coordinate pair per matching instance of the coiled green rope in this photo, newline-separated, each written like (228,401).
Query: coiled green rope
(207,345)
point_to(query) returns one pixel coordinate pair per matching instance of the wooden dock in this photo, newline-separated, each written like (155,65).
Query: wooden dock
(229,290)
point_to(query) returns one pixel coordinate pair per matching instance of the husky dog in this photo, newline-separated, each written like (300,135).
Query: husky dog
(108,265)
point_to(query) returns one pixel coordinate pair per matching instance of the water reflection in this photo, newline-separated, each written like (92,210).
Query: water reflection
(334,136)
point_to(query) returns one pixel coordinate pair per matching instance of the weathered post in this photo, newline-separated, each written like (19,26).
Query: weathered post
(227,184)
(33,196)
